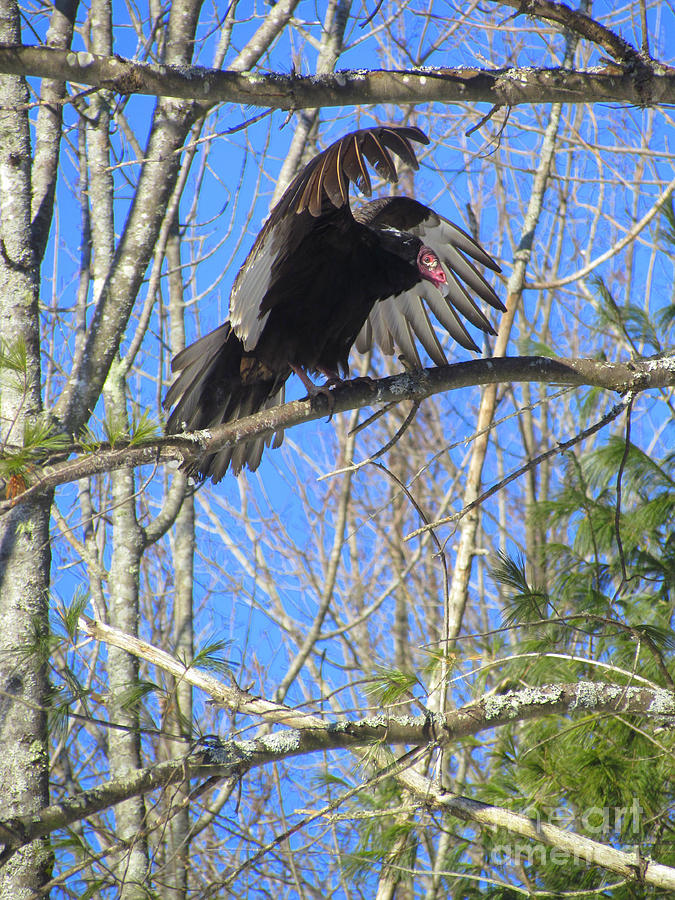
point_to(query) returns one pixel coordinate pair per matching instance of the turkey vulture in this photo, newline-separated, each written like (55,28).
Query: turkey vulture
(321,277)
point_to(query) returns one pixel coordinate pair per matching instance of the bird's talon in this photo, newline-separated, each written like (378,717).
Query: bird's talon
(322,391)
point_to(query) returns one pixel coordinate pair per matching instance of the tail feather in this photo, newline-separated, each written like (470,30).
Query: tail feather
(246,453)
(209,391)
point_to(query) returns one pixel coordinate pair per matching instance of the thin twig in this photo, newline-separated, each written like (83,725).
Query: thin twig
(531,464)
(483,120)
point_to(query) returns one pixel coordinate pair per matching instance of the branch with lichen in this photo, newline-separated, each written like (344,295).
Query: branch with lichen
(653,84)
(233,759)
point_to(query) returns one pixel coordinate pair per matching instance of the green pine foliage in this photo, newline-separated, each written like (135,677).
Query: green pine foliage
(390,686)
(210,657)
(40,441)
(605,614)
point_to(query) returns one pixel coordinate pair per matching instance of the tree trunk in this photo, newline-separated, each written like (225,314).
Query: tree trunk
(24,532)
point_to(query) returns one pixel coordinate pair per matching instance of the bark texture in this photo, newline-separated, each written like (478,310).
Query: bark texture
(24,534)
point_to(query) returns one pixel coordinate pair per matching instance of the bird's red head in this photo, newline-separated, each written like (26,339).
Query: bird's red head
(430,267)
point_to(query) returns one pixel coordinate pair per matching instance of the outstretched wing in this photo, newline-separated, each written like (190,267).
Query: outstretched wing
(317,196)
(402,319)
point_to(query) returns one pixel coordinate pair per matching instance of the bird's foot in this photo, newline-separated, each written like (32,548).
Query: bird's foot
(332,378)
(319,390)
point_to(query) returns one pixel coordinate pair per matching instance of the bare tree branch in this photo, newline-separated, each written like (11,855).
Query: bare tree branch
(236,758)
(654,84)
(576,846)
(48,130)
(231,697)
(581,24)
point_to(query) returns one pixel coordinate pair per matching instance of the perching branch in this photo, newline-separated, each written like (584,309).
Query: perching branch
(652,85)
(638,375)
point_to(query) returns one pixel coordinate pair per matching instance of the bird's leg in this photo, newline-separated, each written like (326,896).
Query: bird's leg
(319,390)
(312,389)
(332,378)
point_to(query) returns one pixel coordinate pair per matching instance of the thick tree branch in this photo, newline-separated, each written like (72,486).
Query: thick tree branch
(638,375)
(236,758)
(653,84)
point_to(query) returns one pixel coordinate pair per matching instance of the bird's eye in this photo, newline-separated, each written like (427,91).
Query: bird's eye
(430,260)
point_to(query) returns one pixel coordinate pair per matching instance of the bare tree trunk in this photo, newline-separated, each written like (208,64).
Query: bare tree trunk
(124,743)
(124,748)
(179,720)
(24,533)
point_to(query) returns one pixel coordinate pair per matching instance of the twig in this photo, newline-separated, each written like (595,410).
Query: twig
(531,464)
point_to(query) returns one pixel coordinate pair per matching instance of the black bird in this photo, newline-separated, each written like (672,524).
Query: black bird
(321,277)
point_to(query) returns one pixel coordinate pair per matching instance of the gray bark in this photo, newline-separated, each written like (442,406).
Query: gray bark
(24,533)
(654,85)
(179,719)
(124,744)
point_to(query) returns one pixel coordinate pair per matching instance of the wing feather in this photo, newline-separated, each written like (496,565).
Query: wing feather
(381,333)
(315,195)
(335,186)
(464,303)
(354,166)
(449,319)
(398,141)
(314,187)
(397,324)
(364,339)
(416,315)
(452,246)
(378,156)
(470,274)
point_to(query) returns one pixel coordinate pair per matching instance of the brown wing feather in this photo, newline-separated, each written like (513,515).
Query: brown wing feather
(398,141)
(315,187)
(344,161)
(378,156)
(334,184)
(353,165)
(318,192)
